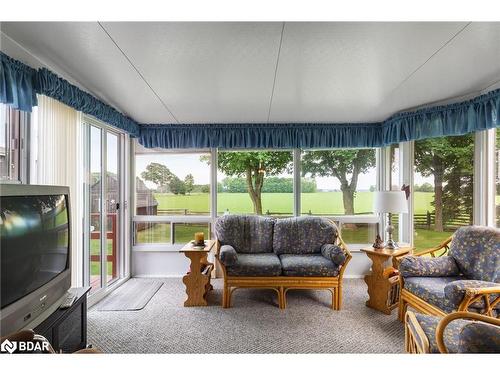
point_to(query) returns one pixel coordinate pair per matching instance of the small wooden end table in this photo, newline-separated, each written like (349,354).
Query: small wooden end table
(197,281)
(383,292)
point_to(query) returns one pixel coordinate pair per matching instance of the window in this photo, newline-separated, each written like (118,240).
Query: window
(255,182)
(13,138)
(395,185)
(442,188)
(172,184)
(340,183)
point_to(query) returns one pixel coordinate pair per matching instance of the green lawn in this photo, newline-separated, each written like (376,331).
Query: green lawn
(320,203)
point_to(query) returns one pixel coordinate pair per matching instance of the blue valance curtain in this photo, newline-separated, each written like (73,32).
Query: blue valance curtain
(17,82)
(50,84)
(20,83)
(480,113)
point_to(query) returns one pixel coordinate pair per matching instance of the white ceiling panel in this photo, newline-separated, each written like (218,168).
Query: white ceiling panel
(85,51)
(341,72)
(205,72)
(168,72)
(469,63)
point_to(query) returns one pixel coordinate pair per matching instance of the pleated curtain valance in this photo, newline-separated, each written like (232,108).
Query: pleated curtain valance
(17,82)
(19,85)
(480,113)
(51,85)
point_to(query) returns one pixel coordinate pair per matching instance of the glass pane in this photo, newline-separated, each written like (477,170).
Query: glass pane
(112,201)
(363,233)
(172,184)
(152,233)
(95,208)
(443,184)
(255,182)
(338,182)
(184,232)
(395,185)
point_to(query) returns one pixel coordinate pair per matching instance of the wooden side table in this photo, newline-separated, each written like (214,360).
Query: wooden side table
(383,292)
(197,281)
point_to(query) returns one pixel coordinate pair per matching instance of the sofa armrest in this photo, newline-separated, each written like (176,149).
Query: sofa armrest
(484,295)
(411,265)
(228,255)
(334,253)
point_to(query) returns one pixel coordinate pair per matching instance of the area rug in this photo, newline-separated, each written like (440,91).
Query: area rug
(133,295)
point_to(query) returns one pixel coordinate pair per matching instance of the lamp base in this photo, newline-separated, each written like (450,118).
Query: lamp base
(391,244)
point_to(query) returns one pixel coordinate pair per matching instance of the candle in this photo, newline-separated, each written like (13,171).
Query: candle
(199,238)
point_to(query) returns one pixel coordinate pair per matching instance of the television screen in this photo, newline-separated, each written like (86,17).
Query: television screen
(34,245)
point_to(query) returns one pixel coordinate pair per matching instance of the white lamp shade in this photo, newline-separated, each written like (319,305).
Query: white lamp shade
(390,202)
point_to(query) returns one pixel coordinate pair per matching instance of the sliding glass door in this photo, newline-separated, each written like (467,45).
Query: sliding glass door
(105,190)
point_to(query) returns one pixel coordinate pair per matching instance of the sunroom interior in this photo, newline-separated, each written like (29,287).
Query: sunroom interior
(160,129)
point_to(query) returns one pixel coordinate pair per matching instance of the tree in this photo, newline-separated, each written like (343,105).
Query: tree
(254,166)
(446,159)
(189,183)
(157,173)
(344,165)
(164,178)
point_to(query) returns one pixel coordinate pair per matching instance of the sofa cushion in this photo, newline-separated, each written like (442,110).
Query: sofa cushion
(334,253)
(228,255)
(425,266)
(451,334)
(308,265)
(255,265)
(303,235)
(246,233)
(479,337)
(477,252)
(431,290)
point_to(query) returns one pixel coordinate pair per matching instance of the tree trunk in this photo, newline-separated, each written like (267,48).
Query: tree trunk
(348,200)
(438,194)
(255,191)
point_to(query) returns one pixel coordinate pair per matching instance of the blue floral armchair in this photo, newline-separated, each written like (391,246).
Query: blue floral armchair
(459,332)
(465,277)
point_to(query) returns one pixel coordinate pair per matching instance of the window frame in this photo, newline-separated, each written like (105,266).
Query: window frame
(21,142)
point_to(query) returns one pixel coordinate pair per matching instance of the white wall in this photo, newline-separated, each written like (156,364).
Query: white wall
(173,264)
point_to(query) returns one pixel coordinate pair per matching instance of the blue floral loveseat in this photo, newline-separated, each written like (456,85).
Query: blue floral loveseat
(466,277)
(280,254)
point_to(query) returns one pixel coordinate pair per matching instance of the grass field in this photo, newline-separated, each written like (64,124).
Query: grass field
(327,203)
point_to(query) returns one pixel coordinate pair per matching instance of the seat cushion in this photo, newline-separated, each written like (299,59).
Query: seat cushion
(303,235)
(308,265)
(255,265)
(451,336)
(431,290)
(476,250)
(479,337)
(246,233)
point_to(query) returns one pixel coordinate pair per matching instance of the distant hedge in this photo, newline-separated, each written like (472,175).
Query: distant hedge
(271,185)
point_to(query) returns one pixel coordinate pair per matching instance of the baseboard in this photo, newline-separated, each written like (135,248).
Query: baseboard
(179,276)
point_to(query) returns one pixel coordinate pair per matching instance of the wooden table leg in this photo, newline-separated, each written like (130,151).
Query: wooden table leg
(197,284)
(378,286)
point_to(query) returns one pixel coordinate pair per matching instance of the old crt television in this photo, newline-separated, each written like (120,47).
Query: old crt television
(35,249)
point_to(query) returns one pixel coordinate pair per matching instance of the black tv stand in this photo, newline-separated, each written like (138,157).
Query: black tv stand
(66,329)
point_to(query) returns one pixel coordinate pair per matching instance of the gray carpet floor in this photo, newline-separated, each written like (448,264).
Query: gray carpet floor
(253,325)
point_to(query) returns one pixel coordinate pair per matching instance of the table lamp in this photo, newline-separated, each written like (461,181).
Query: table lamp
(390,202)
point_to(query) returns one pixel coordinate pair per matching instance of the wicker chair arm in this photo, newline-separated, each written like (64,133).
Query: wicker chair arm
(459,315)
(486,294)
(433,250)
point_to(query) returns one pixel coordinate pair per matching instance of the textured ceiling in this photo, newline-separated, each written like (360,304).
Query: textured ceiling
(257,72)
